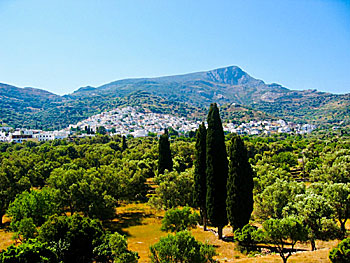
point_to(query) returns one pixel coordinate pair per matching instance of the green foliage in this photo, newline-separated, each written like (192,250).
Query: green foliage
(165,161)
(114,249)
(266,175)
(334,164)
(80,234)
(281,231)
(338,195)
(120,250)
(174,189)
(92,191)
(313,210)
(181,247)
(13,180)
(275,197)
(71,239)
(200,177)
(248,237)
(89,174)
(26,229)
(176,219)
(183,155)
(341,253)
(285,159)
(217,170)
(101,130)
(29,252)
(124,145)
(240,185)
(36,205)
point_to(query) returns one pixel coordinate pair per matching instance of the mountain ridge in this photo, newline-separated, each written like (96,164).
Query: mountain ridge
(224,86)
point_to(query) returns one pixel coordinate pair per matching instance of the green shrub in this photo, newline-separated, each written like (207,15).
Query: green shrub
(247,238)
(341,253)
(181,247)
(177,219)
(30,251)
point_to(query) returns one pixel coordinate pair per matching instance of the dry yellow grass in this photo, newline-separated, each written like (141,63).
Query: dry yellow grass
(142,226)
(5,236)
(5,239)
(140,233)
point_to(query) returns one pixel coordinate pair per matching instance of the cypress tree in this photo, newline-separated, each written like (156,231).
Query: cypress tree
(164,160)
(239,185)
(124,145)
(217,171)
(200,176)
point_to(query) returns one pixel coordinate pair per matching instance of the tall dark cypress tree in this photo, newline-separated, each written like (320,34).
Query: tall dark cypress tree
(217,171)
(200,175)
(239,185)
(124,145)
(164,160)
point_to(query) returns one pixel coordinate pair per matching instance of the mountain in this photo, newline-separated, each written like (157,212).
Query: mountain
(233,85)
(224,85)
(185,95)
(11,94)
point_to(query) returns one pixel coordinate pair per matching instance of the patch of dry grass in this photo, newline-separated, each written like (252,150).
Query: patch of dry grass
(5,239)
(5,236)
(142,226)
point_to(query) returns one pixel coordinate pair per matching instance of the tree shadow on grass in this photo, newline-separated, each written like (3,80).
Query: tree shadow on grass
(260,247)
(6,226)
(285,250)
(125,220)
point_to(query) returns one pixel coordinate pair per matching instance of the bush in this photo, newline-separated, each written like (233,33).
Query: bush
(80,239)
(179,219)
(181,247)
(30,251)
(341,253)
(114,248)
(247,238)
(26,229)
(78,234)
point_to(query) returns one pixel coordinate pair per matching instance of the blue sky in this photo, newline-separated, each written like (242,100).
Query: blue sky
(63,45)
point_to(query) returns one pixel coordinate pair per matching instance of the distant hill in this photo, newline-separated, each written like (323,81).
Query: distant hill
(233,85)
(224,85)
(185,95)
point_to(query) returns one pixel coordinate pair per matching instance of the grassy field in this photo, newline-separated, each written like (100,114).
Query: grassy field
(5,236)
(141,224)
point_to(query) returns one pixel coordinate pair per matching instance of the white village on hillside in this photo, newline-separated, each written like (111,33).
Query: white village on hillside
(134,122)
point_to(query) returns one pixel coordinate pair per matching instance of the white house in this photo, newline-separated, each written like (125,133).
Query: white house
(49,136)
(3,137)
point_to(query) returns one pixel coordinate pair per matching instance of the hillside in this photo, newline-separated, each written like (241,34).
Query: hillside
(233,85)
(222,85)
(184,95)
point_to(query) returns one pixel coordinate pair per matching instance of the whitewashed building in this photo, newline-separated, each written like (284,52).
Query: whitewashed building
(49,136)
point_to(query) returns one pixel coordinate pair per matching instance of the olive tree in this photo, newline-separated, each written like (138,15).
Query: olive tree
(181,247)
(281,231)
(176,219)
